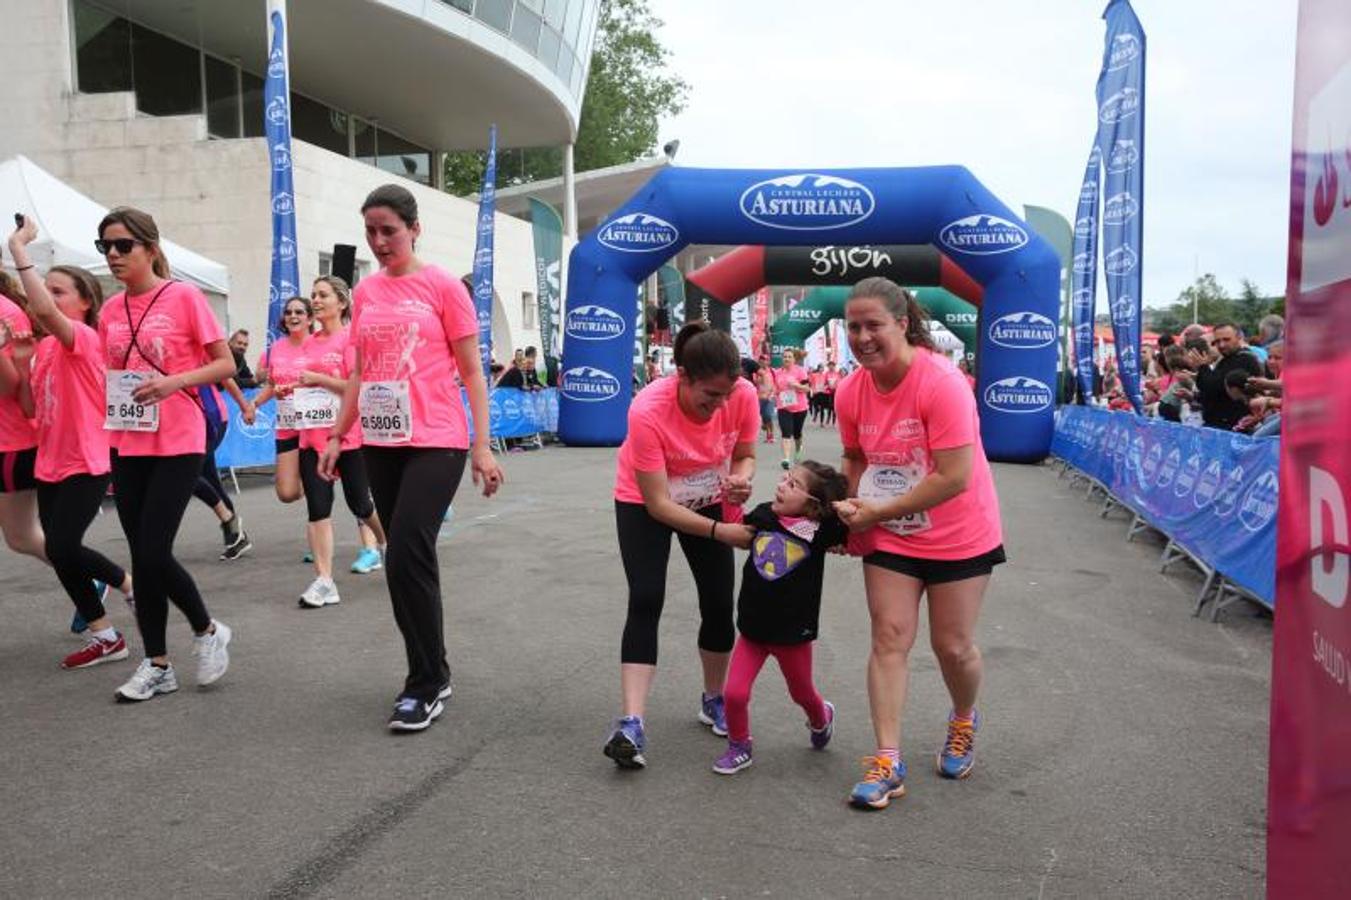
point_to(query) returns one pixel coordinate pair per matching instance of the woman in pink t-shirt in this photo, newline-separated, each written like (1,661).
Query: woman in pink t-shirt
(690,450)
(283,361)
(18,440)
(65,396)
(414,332)
(925,515)
(790,394)
(318,393)
(161,342)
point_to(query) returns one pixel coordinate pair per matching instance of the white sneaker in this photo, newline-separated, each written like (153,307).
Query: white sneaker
(147,681)
(321,592)
(212,656)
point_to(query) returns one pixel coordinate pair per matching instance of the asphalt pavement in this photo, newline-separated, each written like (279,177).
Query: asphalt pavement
(1123,752)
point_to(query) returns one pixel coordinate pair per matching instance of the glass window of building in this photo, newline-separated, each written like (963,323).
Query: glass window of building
(495,13)
(553,13)
(525,28)
(315,123)
(252,101)
(403,158)
(167,74)
(564,66)
(549,44)
(464,6)
(102,50)
(527,310)
(222,99)
(573,25)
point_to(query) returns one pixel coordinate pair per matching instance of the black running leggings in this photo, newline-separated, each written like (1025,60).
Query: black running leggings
(66,508)
(152,494)
(209,488)
(412,486)
(645,548)
(356,487)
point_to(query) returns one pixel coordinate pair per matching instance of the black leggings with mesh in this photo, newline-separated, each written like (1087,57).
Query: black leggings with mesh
(66,508)
(645,547)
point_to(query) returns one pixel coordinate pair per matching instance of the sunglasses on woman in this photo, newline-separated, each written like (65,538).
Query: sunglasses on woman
(121,245)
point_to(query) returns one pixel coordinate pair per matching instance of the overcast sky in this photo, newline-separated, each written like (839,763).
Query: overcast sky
(1007,89)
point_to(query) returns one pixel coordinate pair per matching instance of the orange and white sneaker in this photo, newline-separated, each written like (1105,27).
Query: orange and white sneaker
(97,651)
(958,755)
(883,782)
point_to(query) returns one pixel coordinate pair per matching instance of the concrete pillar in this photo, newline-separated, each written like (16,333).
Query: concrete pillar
(569,195)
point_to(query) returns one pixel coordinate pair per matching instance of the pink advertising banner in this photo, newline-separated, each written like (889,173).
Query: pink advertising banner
(1309,790)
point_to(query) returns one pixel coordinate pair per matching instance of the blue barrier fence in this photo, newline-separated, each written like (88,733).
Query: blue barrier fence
(1212,492)
(512,413)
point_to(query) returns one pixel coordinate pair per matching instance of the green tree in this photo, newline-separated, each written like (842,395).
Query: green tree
(628,90)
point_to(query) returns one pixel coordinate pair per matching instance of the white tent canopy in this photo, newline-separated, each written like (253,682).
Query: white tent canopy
(68,225)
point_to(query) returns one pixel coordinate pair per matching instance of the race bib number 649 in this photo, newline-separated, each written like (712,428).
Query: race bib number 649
(123,412)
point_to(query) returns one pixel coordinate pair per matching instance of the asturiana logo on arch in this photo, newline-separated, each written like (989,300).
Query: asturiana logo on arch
(807,202)
(1018,395)
(594,323)
(982,235)
(1023,331)
(1121,105)
(1125,50)
(589,385)
(638,233)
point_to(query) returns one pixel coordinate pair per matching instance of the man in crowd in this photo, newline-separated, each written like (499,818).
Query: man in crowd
(239,346)
(524,376)
(1218,408)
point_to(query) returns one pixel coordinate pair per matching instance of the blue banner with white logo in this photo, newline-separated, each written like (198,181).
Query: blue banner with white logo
(247,446)
(277,126)
(483,254)
(1121,142)
(1212,491)
(1084,272)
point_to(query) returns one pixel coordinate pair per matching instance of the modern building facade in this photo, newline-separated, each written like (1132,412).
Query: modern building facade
(160,105)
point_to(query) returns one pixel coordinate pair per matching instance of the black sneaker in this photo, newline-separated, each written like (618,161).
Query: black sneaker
(411,714)
(241,546)
(231,529)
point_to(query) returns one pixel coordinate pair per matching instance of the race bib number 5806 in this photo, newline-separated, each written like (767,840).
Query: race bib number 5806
(386,412)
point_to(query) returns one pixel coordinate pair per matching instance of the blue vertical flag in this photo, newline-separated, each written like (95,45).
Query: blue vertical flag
(483,255)
(1084,271)
(1121,142)
(277,125)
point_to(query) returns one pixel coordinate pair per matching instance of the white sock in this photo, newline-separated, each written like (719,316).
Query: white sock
(107,635)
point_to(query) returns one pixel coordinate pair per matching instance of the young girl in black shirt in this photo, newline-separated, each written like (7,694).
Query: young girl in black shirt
(780,602)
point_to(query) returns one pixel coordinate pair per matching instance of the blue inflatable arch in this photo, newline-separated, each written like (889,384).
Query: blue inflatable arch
(941,205)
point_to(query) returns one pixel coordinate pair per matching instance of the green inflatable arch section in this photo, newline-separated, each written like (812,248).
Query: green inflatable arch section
(822,304)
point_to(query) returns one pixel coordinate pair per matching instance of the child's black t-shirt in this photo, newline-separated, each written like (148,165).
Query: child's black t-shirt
(780,601)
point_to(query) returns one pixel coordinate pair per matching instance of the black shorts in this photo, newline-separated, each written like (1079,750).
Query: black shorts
(286,445)
(16,470)
(937,571)
(790,424)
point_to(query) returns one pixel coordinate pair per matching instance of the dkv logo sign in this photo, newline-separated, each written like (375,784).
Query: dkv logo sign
(638,233)
(1023,331)
(982,235)
(1330,563)
(807,202)
(594,323)
(589,385)
(1018,395)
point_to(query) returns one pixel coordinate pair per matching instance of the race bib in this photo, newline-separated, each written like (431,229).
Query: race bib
(386,412)
(314,407)
(787,398)
(888,482)
(286,413)
(123,412)
(697,489)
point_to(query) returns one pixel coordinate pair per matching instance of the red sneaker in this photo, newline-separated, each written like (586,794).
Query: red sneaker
(95,652)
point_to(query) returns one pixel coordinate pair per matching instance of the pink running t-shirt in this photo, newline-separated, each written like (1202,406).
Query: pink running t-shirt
(785,397)
(693,455)
(68,396)
(284,360)
(16,431)
(331,354)
(404,327)
(931,409)
(176,324)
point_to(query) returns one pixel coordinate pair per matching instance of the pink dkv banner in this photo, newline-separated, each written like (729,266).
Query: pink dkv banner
(1309,791)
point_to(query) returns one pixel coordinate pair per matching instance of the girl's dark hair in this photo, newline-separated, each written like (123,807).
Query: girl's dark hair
(309,311)
(827,487)
(342,290)
(87,286)
(10,287)
(900,303)
(143,228)
(703,352)
(397,199)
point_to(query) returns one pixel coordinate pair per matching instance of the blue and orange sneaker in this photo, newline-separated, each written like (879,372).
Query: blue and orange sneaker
(883,783)
(627,743)
(713,713)
(958,755)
